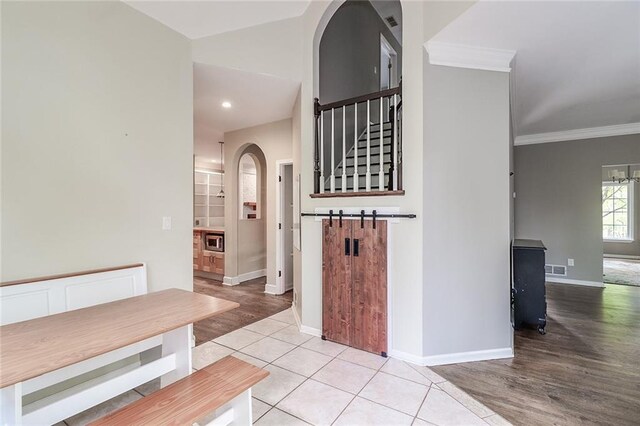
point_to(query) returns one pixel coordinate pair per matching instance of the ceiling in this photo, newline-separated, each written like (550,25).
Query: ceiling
(577,64)
(196,19)
(386,8)
(255,99)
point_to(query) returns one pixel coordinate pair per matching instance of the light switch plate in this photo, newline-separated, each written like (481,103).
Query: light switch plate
(166,223)
(571,262)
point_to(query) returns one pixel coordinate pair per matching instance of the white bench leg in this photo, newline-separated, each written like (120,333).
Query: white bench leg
(11,405)
(242,409)
(235,413)
(177,342)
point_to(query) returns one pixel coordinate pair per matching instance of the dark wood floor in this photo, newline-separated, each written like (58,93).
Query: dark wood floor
(585,370)
(254,306)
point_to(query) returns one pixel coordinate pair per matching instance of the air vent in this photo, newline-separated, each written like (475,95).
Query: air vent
(392,21)
(555,270)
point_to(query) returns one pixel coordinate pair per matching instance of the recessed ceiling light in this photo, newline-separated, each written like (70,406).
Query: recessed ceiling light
(226,104)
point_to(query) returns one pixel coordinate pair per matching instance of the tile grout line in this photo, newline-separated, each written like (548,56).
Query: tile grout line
(289,393)
(264,414)
(272,407)
(356,395)
(140,393)
(334,357)
(465,406)
(462,403)
(376,371)
(306,379)
(264,336)
(421,404)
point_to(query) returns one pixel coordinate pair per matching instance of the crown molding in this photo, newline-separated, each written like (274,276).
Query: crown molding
(577,134)
(473,57)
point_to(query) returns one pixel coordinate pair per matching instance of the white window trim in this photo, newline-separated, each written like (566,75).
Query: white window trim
(630,212)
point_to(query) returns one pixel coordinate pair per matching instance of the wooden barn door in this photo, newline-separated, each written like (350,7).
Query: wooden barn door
(354,284)
(369,287)
(336,281)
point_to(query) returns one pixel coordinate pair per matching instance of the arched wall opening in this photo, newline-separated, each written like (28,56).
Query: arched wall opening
(249,188)
(358,53)
(250,248)
(356,48)
(347,10)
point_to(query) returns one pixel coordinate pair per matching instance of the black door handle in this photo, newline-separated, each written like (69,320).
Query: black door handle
(347,247)
(356,247)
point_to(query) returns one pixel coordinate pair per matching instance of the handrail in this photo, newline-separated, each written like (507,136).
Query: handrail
(358,99)
(389,169)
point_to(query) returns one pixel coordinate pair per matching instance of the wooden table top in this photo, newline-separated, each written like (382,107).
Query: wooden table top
(31,348)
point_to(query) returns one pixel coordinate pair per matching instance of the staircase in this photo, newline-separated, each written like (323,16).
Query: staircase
(349,168)
(358,146)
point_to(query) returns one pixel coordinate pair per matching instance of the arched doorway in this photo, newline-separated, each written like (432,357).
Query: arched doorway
(359,105)
(357,39)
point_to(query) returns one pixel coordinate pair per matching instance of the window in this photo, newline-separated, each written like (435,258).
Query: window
(617,211)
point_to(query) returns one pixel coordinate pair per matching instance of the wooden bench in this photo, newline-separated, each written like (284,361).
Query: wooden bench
(222,389)
(72,341)
(31,298)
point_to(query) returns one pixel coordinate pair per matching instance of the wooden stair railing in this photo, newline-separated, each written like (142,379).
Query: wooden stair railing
(367,130)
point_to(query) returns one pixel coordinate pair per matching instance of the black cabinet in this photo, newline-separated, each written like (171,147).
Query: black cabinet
(529,302)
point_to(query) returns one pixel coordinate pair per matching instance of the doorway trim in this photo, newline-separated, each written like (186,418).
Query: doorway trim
(279,287)
(393,56)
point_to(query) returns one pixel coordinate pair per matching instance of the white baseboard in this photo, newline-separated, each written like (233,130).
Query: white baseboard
(310,330)
(296,317)
(303,328)
(454,358)
(405,356)
(575,282)
(621,256)
(425,360)
(244,277)
(230,280)
(271,289)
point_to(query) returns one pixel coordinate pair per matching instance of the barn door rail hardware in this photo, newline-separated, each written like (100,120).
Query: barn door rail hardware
(362,215)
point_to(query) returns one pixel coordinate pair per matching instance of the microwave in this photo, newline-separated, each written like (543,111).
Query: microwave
(214,241)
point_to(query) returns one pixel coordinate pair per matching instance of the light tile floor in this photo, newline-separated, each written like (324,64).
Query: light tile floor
(323,383)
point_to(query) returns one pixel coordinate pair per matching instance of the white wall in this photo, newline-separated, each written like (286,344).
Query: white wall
(405,275)
(466,214)
(559,199)
(275,141)
(273,48)
(413,290)
(297,254)
(96,141)
(406,238)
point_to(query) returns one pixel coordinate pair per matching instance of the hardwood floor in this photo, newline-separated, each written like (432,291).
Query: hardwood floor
(585,370)
(254,306)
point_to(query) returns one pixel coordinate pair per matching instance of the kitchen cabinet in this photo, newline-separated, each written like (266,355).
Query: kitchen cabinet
(197,250)
(205,260)
(213,262)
